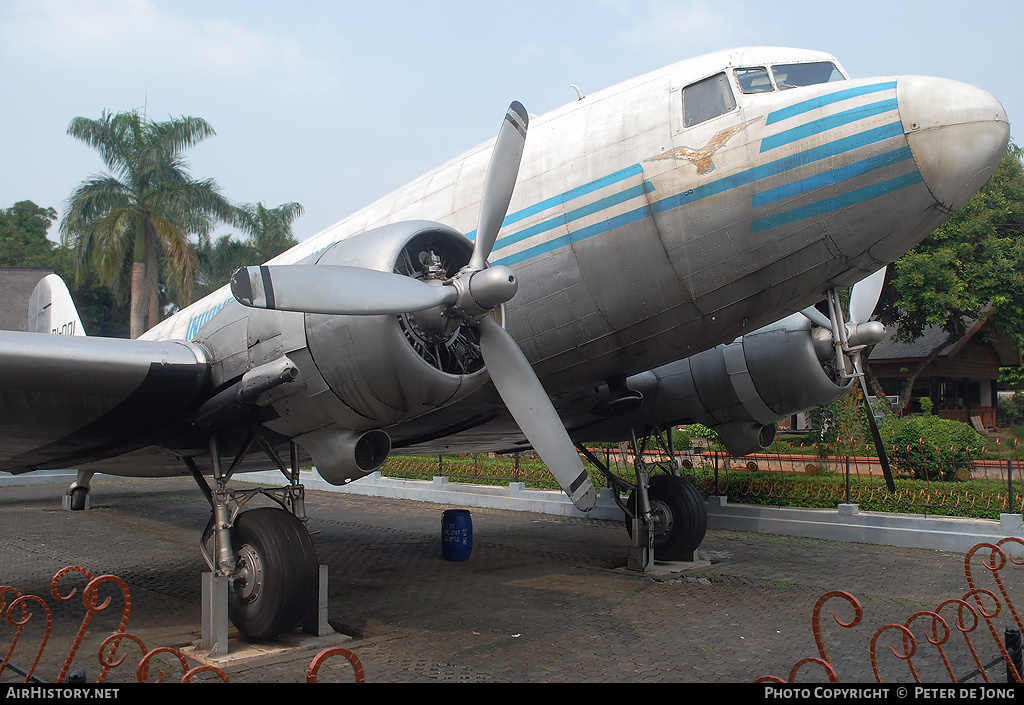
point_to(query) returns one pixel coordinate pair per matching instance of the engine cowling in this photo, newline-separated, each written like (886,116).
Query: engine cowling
(743,388)
(389,368)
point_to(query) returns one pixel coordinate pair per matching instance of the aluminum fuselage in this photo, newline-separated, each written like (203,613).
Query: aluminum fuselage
(638,241)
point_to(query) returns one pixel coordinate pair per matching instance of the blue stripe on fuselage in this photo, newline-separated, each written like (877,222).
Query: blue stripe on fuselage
(779,166)
(835,203)
(823,100)
(571,194)
(827,123)
(581,212)
(763,171)
(200,319)
(828,178)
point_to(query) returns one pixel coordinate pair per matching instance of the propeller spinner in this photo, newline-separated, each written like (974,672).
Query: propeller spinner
(471,295)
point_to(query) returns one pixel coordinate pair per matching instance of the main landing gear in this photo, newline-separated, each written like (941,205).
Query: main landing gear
(265,554)
(665,514)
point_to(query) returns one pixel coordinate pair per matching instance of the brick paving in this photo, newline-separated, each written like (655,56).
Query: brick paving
(541,599)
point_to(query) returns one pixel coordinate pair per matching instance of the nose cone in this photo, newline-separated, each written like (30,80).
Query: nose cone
(957,133)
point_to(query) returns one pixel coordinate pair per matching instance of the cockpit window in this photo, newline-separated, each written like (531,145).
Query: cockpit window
(794,75)
(754,80)
(706,99)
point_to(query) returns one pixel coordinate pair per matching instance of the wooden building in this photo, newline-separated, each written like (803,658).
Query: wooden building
(961,380)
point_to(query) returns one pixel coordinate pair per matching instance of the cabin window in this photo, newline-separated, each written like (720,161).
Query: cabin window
(754,80)
(706,99)
(794,75)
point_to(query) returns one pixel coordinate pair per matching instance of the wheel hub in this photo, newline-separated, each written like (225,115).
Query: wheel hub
(662,518)
(249,583)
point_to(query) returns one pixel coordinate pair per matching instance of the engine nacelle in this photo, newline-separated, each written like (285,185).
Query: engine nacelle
(391,368)
(743,388)
(767,375)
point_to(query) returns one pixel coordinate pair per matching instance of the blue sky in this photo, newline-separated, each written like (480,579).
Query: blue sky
(334,104)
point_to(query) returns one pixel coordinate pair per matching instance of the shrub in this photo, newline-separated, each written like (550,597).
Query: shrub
(680,439)
(842,426)
(1011,408)
(932,448)
(696,430)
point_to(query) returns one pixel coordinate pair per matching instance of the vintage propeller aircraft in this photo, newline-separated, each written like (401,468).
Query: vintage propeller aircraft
(652,254)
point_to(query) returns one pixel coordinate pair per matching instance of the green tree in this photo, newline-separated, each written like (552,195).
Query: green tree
(23,241)
(971,267)
(270,234)
(1012,377)
(124,222)
(219,259)
(269,229)
(842,426)
(931,448)
(101,314)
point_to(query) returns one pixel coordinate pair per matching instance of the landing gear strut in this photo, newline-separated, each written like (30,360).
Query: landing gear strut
(265,554)
(665,514)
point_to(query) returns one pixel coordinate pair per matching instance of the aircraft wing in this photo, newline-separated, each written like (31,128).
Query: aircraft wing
(69,400)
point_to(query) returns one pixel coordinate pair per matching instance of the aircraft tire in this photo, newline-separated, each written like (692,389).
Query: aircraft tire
(680,517)
(280,573)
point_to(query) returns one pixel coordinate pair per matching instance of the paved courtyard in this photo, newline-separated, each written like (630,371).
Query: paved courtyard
(541,599)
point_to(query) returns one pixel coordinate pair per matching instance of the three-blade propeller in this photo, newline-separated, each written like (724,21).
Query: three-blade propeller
(850,338)
(471,294)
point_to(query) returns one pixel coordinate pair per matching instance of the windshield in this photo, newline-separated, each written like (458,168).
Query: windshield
(793,75)
(754,80)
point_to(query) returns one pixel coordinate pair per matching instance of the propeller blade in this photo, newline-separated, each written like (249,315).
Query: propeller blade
(883,459)
(335,290)
(817,317)
(500,182)
(864,297)
(525,398)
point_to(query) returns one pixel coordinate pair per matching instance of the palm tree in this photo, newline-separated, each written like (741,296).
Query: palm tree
(269,234)
(122,223)
(269,229)
(219,259)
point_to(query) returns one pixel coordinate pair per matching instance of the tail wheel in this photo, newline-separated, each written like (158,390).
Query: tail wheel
(78,497)
(679,515)
(277,585)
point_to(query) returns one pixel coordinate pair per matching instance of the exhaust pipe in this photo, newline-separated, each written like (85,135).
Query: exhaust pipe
(341,456)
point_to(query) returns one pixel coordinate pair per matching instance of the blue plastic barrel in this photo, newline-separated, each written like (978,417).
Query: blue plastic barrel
(456,534)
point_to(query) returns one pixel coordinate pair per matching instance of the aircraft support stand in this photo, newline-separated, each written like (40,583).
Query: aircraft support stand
(215,622)
(214,637)
(640,556)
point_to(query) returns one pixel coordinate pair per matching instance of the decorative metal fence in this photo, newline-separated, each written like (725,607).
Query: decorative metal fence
(27,627)
(967,641)
(984,484)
